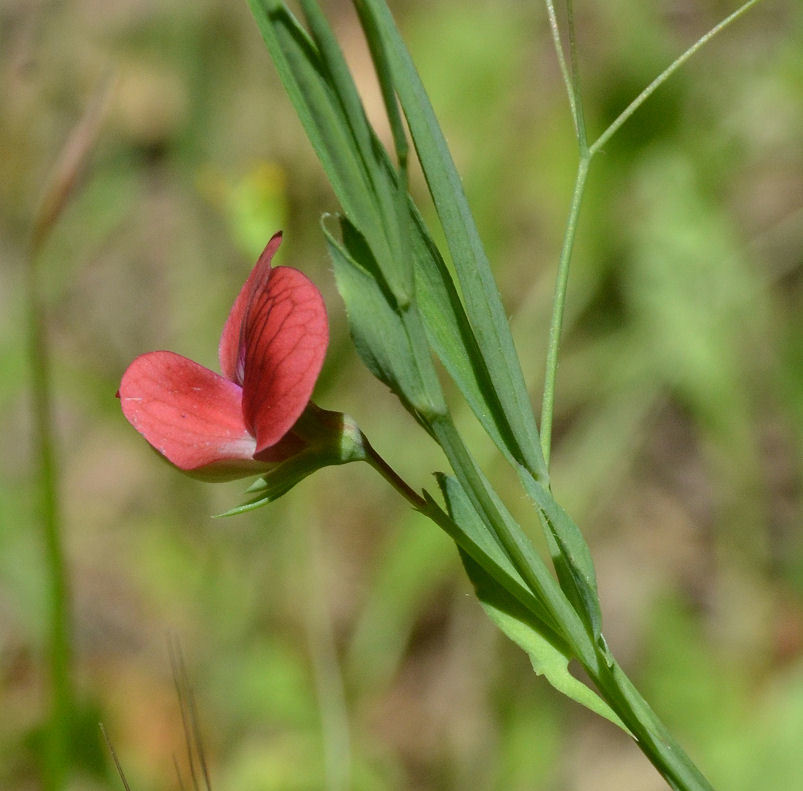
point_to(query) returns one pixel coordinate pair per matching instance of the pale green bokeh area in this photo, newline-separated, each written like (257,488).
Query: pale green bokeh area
(679,404)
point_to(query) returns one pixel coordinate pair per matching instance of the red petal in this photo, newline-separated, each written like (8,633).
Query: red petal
(286,335)
(190,414)
(231,350)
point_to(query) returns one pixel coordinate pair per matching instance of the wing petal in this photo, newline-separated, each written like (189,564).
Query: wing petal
(190,414)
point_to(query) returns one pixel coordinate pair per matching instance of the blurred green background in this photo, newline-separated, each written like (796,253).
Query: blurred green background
(332,639)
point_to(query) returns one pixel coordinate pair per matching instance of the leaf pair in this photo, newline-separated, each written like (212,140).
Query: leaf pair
(473,342)
(403,305)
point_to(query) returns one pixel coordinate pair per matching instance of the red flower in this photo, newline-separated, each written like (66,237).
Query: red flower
(271,351)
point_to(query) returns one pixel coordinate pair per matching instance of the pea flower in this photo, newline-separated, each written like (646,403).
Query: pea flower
(247,421)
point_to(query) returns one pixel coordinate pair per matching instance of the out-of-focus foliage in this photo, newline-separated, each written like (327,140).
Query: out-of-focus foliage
(332,639)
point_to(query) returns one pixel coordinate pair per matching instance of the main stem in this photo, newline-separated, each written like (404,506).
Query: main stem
(653,738)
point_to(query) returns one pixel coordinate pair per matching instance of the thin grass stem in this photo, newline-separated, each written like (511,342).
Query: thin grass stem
(664,76)
(328,677)
(582,136)
(653,738)
(196,729)
(571,78)
(62,181)
(564,68)
(179,776)
(59,647)
(558,307)
(181,684)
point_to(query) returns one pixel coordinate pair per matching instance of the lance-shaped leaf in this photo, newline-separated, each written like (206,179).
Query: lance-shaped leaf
(390,195)
(515,615)
(316,79)
(548,658)
(452,339)
(472,536)
(471,500)
(390,339)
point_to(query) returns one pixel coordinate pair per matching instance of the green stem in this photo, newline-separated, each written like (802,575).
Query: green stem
(652,736)
(62,181)
(564,69)
(587,153)
(558,306)
(582,136)
(570,74)
(59,649)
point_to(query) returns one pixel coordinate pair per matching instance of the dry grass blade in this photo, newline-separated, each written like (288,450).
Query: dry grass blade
(114,757)
(70,164)
(196,756)
(178,773)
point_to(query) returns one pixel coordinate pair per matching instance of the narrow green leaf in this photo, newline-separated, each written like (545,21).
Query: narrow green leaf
(548,658)
(483,303)
(379,58)
(514,615)
(389,339)
(277,482)
(249,505)
(472,537)
(452,338)
(336,139)
(392,258)
(481,502)
(570,553)
(383,73)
